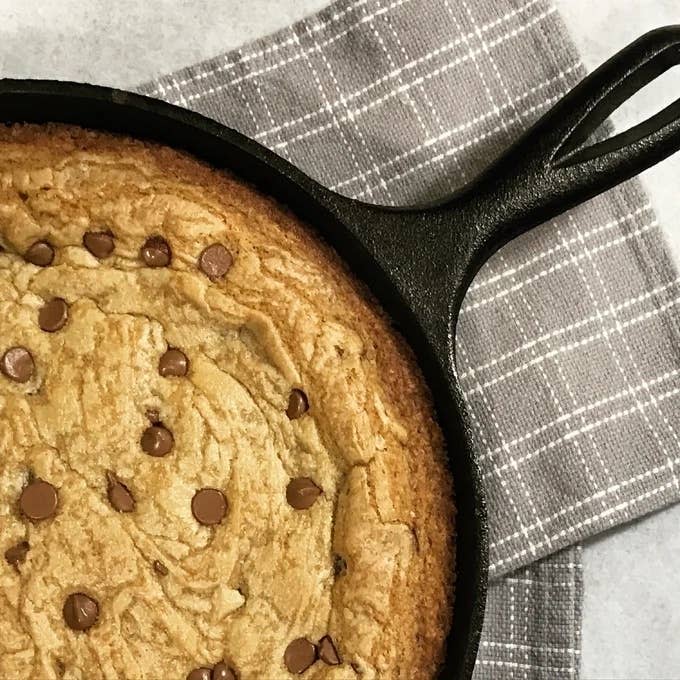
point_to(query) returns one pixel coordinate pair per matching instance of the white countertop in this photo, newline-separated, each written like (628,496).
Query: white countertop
(631,624)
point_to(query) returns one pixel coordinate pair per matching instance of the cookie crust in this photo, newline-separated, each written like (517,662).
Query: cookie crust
(287,315)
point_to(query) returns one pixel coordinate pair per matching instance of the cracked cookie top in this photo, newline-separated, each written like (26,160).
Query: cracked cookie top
(217,460)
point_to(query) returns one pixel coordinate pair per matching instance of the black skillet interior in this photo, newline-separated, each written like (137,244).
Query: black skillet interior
(419,261)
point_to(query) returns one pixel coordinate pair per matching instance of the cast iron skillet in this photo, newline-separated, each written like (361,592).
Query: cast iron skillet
(419,261)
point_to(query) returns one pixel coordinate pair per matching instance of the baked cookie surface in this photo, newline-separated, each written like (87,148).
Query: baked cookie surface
(216,457)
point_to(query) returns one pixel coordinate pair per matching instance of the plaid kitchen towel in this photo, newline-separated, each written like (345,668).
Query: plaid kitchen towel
(567,338)
(533,621)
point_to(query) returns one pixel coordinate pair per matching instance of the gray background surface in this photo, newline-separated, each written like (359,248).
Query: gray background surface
(632,584)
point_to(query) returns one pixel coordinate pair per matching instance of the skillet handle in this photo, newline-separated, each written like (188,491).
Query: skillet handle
(551,168)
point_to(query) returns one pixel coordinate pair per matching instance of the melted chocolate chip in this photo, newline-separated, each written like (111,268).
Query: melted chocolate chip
(327,651)
(222,672)
(99,243)
(299,655)
(202,673)
(17,364)
(53,315)
(298,404)
(41,254)
(339,565)
(119,495)
(156,252)
(39,500)
(80,611)
(302,492)
(160,568)
(16,555)
(157,441)
(173,363)
(215,261)
(209,506)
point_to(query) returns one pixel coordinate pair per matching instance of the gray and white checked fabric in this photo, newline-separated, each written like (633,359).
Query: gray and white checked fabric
(567,342)
(533,621)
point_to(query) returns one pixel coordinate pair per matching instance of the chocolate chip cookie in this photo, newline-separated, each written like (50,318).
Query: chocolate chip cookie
(217,458)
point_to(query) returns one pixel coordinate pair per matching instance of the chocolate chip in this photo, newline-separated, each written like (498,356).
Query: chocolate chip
(16,555)
(39,500)
(156,252)
(157,441)
(41,254)
(299,655)
(301,493)
(53,315)
(99,243)
(339,565)
(173,363)
(17,364)
(119,495)
(327,651)
(80,611)
(199,674)
(222,672)
(297,404)
(160,568)
(209,506)
(202,673)
(215,261)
